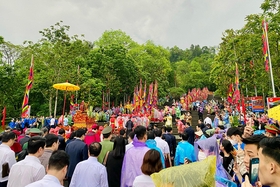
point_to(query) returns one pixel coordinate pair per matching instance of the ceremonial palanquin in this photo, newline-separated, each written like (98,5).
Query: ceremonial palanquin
(82,118)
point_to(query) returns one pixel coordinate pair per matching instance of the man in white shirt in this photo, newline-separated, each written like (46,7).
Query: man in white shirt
(90,172)
(57,170)
(6,155)
(163,145)
(52,122)
(30,169)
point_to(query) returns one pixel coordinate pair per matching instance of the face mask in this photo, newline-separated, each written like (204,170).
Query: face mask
(233,142)
(201,155)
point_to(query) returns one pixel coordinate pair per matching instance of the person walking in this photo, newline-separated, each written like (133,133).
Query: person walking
(90,172)
(7,156)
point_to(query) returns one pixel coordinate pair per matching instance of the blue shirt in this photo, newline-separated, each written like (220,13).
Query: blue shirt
(184,150)
(152,144)
(12,124)
(89,173)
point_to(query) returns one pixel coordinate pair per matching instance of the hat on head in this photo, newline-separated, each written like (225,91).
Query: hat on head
(35,132)
(107,130)
(272,129)
(94,126)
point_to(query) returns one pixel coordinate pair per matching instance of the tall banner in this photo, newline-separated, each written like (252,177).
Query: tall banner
(25,107)
(236,94)
(230,92)
(155,95)
(267,58)
(272,102)
(257,104)
(3,118)
(265,46)
(143,99)
(140,94)
(150,94)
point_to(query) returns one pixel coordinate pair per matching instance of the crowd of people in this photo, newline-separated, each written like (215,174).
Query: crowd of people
(98,156)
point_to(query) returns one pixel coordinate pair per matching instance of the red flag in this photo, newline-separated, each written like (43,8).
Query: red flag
(27,90)
(236,95)
(3,118)
(230,92)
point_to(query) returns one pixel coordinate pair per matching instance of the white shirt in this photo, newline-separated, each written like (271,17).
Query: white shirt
(47,181)
(89,173)
(52,122)
(25,172)
(6,155)
(128,146)
(143,180)
(207,120)
(163,145)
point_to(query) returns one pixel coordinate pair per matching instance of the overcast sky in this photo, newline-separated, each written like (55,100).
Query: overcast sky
(166,22)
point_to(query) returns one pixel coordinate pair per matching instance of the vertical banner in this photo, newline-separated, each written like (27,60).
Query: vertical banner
(272,102)
(24,112)
(257,104)
(3,118)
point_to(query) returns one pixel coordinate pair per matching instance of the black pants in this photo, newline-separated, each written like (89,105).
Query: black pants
(3,184)
(200,116)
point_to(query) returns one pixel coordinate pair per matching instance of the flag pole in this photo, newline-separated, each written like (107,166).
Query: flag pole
(270,65)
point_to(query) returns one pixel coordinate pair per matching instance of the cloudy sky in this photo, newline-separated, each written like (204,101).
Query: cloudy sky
(166,22)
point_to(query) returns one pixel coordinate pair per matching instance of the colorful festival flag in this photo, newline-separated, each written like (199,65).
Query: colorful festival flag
(144,95)
(265,45)
(230,93)
(236,94)
(155,95)
(150,94)
(25,107)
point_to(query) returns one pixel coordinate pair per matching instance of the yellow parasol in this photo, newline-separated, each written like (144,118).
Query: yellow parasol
(66,86)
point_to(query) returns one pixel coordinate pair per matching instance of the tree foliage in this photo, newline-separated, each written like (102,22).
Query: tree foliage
(244,47)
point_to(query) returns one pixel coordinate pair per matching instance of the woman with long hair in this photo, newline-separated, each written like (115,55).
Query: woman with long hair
(226,152)
(113,162)
(151,164)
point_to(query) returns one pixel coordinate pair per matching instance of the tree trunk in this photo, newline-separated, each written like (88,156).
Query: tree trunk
(50,105)
(55,104)
(109,99)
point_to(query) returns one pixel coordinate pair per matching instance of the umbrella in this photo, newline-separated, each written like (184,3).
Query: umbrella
(66,86)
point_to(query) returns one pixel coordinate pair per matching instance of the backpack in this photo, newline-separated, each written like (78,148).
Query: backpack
(21,155)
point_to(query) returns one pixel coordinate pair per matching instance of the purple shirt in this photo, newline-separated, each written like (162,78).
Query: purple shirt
(132,162)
